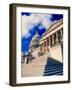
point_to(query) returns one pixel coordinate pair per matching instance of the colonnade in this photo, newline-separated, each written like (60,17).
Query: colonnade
(52,40)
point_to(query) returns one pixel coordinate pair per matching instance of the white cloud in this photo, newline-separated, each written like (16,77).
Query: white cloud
(29,21)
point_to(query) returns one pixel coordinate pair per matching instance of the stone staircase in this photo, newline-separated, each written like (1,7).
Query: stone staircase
(35,68)
(53,67)
(42,66)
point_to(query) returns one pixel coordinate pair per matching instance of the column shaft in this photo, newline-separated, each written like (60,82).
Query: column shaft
(56,36)
(53,39)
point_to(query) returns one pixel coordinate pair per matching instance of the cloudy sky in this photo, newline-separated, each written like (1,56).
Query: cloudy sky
(32,22)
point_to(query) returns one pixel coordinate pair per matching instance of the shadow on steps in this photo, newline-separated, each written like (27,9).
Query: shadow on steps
(53,67)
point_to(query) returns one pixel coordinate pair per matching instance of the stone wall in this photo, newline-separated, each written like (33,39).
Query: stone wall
(56,53)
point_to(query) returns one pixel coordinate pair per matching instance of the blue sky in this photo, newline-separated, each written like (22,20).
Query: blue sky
(32,22)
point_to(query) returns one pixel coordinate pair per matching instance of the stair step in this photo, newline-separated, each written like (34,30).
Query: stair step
(52,67)
(51,70)
(59,74)
(47,66)
(53,73)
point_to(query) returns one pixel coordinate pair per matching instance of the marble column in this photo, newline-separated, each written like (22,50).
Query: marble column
(56,36)
(53,39)
(61,32)
(42,48)
(59,36)
(45,45)
(49,42)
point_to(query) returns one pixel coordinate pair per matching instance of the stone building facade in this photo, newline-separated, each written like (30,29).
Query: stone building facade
(51,42)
